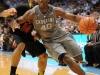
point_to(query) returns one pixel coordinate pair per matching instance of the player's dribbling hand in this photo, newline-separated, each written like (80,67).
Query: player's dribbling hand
(9,12)
(14,25)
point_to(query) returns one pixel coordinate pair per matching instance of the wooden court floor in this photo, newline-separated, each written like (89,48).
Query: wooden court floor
(5,62)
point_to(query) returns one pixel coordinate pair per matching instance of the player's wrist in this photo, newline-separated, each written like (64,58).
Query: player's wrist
(16,21)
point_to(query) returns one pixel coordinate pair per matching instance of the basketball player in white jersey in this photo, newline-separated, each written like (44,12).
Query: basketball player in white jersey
(57,41)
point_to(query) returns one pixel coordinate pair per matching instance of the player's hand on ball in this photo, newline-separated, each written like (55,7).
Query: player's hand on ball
(87,25)
(9,12)
(14,25)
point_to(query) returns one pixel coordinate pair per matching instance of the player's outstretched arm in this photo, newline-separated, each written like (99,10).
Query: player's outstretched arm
(16,23)
(67,15)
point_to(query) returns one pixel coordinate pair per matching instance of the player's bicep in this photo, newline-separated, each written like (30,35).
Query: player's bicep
(63,13)
(67,15)
(28,15)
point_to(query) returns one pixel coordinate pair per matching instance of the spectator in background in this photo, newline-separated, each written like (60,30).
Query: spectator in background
(89,52)
(5,23)
(94,3)
(90,49)
(68,30)
(98,20)
(97,50)
(5,45)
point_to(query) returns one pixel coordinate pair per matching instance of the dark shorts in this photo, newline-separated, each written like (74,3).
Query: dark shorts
(35,48)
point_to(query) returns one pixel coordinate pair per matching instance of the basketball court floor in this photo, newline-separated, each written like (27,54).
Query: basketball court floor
(28,66)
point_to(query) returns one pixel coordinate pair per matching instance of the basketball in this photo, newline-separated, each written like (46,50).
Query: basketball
(87,25)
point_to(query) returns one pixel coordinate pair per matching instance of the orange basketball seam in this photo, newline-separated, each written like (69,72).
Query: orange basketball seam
(93,23)
(85,25)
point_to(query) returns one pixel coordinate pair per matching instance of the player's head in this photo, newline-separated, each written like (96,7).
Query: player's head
(21,9)
(43,3)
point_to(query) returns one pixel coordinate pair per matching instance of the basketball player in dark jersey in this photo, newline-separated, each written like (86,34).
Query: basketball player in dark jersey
(23,40)
(57,41)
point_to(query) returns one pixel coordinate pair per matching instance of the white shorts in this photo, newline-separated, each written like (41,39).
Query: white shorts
(65,44)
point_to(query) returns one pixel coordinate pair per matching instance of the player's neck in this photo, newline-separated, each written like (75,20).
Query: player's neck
(44,10)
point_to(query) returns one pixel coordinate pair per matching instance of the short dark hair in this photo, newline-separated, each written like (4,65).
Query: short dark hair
(21,9)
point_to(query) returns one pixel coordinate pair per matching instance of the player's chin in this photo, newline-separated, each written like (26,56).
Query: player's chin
(41,6)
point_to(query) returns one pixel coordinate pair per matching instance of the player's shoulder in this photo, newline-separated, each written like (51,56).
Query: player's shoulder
(57,8)
(54,7)
(35,8)
(51,6)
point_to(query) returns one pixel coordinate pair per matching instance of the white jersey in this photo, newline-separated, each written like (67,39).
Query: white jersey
(45,24)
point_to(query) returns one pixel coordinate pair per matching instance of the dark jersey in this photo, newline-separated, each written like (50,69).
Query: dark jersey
(26,28)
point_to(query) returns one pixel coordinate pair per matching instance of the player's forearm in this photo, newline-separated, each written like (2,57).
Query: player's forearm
(20,20)
(73,17)
(78,18)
